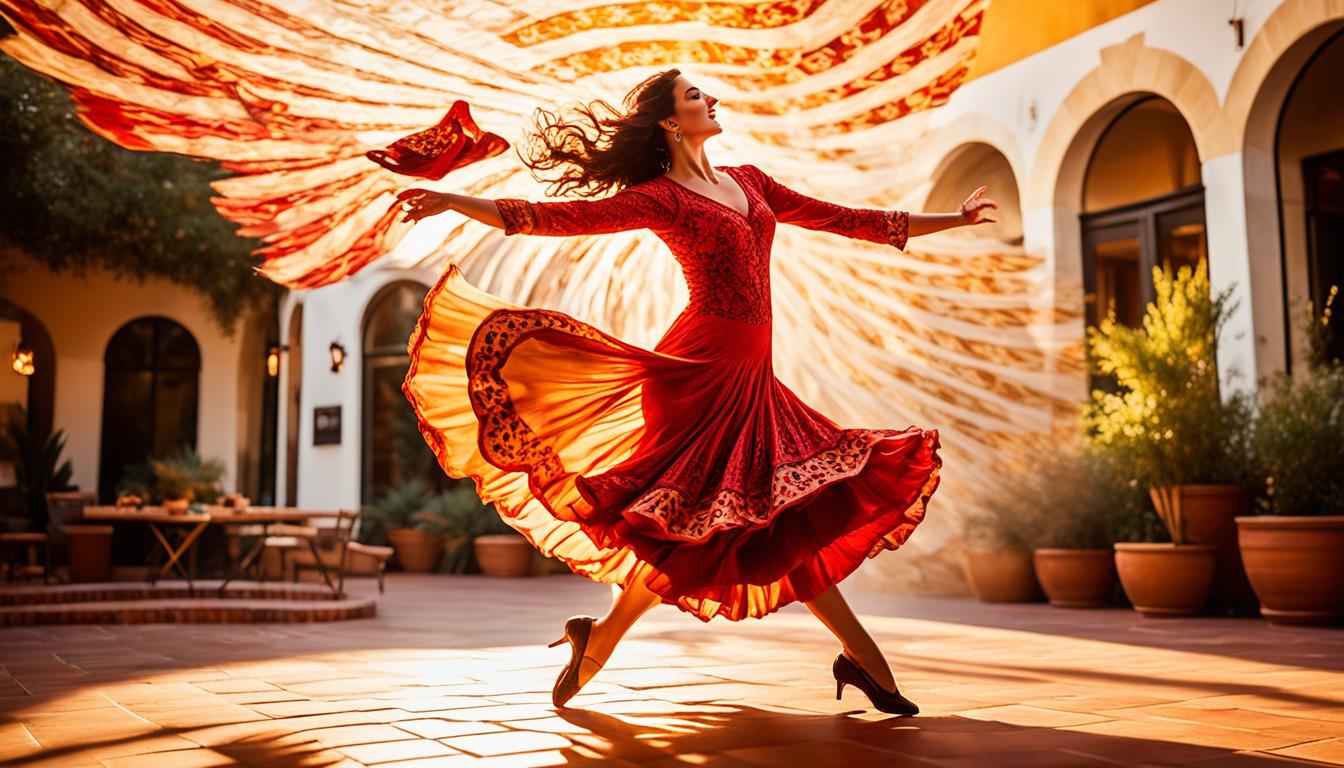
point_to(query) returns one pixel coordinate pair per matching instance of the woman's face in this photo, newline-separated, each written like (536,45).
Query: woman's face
(694,113)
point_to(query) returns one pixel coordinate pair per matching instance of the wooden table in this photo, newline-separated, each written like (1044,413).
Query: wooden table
(268,518)
(155,517)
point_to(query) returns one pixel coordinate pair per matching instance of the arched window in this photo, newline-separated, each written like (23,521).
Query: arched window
(1143,205)
(36,392)
(1310,169)
(394,451)
(151,388)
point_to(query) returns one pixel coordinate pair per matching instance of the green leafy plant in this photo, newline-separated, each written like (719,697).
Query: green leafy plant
(1320,329)
(38,466)
(1000,517)
(73,200)
(394,508)
(459,514)
(456,514)
(181,475)
(1091,505)
(1297,433)
(1167,424)
(1067,497)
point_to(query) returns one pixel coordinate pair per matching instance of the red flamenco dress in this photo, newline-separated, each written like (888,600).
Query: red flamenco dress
(690,462)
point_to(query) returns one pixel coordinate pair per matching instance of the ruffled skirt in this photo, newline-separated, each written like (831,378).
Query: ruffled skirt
(689,465)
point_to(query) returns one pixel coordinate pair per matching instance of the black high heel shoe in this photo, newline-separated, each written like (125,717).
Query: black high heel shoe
(892,702)
(577,631)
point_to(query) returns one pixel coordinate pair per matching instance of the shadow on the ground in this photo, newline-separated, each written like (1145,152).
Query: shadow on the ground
(733,735)
(1249,639)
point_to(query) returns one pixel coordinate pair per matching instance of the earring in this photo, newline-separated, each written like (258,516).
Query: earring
(678,137)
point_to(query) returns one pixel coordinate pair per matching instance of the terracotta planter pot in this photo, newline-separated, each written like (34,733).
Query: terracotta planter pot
(417,551)
(1210,514)
(1001,575)
(1076,578)
(1166,579)
(1296,565)
(503,555)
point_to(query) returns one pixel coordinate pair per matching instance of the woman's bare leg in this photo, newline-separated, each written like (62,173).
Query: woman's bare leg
(632,602)
(835,613)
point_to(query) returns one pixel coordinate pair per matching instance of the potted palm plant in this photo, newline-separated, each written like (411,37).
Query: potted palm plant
(498,548)
(39,467)
(393,517)
(1170,430)
(1295,551)
(459,517)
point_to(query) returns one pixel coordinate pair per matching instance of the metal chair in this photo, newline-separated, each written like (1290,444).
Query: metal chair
(321,546)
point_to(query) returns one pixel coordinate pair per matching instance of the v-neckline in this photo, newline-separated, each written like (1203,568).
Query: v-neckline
(745,216)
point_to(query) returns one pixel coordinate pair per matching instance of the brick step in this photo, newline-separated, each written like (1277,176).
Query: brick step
(36,594)
(191,610)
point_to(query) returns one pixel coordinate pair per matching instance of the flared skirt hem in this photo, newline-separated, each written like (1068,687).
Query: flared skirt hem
(803,546)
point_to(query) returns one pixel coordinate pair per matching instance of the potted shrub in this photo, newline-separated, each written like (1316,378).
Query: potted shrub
(1086,508)
(458,516)
(175,481)
(1167,427)
(416,544)
(997,556)
(483,540)
(1295,553)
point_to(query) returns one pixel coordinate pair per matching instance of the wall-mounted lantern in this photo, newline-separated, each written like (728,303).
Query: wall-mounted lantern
(337,357)
(273,360)
(22,360)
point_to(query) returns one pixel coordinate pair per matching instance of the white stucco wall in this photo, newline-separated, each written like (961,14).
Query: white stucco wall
(329,475)
(82,313)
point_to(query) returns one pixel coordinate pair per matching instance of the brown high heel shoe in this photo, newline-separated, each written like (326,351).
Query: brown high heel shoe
(846,670)
(577,631)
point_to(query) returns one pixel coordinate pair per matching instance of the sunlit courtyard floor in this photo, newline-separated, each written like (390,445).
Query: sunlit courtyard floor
(455,671)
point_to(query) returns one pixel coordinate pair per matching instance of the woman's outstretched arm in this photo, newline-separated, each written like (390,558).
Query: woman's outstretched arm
(421,203)
(625,210)
(872,224)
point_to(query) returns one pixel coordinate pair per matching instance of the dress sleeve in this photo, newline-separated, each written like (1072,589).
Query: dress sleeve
(872,224)
(628,209)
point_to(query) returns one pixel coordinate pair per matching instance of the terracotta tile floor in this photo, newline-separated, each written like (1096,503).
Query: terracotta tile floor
(454,672)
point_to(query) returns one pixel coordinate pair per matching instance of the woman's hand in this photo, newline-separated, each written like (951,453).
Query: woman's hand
(420,203)
(975,210)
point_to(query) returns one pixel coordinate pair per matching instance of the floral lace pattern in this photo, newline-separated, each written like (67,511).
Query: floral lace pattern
(898,228)
(724,255)
(506,440)
(681,515)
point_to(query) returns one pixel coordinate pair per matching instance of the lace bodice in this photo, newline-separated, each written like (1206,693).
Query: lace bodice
(724,255)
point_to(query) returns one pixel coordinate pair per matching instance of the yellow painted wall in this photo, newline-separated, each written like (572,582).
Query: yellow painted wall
(1015,29)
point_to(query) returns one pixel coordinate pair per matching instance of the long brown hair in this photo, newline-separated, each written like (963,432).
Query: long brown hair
(598,153)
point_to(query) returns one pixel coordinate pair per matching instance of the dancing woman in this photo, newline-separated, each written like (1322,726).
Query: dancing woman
(686,474)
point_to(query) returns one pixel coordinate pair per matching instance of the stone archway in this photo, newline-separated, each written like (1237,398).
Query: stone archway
(1256,98)
(975,163)
(1052,200)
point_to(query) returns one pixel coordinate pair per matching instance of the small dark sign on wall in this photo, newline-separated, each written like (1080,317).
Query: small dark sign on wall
(327,425)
